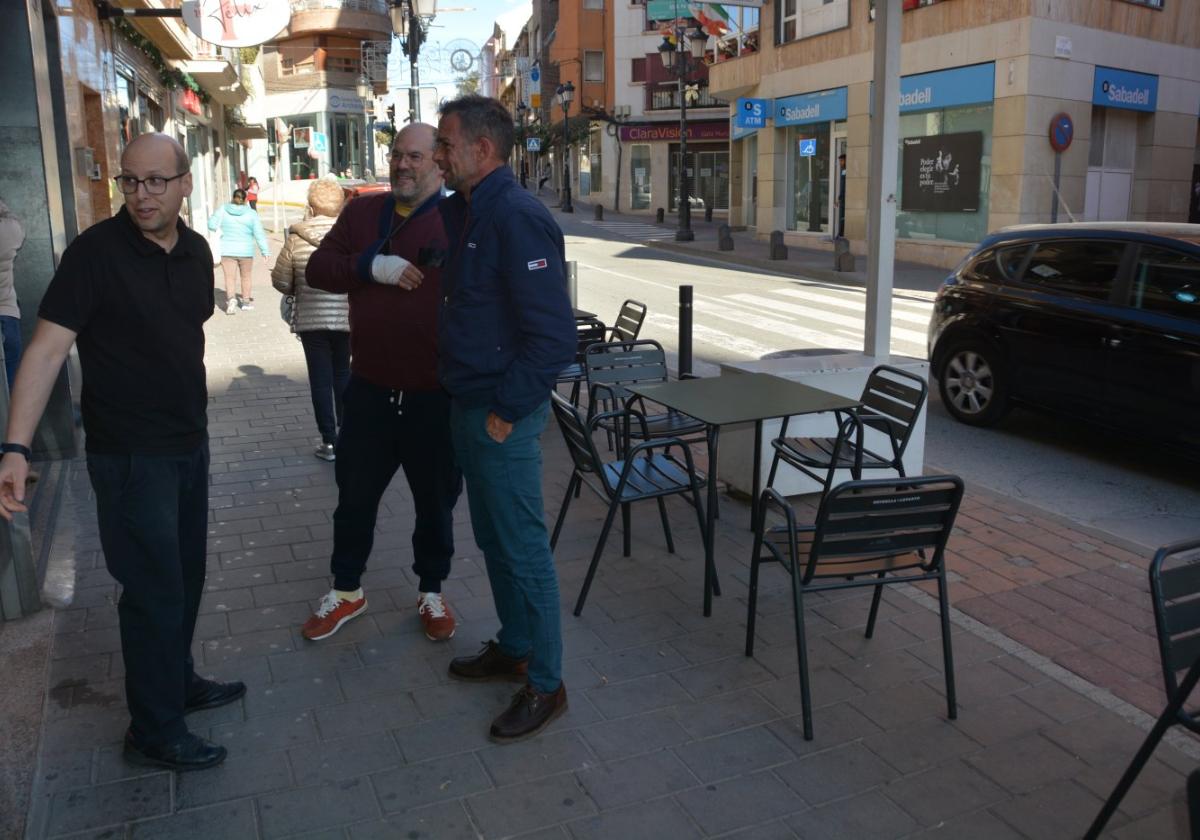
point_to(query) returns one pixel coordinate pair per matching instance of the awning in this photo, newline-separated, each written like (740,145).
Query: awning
(248,132)
(212,72)
(233,94)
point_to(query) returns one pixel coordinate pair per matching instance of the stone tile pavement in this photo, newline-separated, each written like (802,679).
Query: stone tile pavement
(671,732)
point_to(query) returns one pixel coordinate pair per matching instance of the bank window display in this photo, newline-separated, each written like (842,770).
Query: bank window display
(639,176)
(945,174)
(300,146)
(808,165)
(708,179)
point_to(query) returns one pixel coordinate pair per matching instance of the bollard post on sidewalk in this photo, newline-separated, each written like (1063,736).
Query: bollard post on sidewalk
(708,213)
(685,330)
(573,283)
(659,215)
(598,212)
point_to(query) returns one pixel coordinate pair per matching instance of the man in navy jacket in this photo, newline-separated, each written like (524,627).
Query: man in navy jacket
(506,331)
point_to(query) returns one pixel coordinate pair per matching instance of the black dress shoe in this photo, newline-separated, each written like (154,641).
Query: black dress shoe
(529,713)
(489,664)
(212,694)
(191,752)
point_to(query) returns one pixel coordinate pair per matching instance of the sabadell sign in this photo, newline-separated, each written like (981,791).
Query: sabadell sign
(236,23)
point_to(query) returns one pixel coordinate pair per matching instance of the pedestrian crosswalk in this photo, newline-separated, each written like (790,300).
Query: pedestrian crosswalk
(639,231)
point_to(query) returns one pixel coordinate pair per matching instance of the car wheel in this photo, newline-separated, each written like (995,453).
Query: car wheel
(973,384)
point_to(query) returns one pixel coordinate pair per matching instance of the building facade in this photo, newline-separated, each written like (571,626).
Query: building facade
(986,87)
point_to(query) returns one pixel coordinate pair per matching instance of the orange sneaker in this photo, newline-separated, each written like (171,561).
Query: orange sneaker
(332,613)
(435,616)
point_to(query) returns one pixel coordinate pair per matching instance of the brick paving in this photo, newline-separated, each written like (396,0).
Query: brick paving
(671,732)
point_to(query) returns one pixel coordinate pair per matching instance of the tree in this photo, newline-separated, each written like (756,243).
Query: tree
(468,84)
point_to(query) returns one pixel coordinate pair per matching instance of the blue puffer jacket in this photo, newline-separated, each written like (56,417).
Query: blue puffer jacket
(506,329)
(241,230)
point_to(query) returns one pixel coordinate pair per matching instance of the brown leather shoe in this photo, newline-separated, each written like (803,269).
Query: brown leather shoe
(489,664)
(529,713)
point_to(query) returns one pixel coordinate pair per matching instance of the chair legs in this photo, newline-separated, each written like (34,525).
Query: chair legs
(591,572)
(947,653)
(662,512)
(875,598)
(572,490)
(755,560)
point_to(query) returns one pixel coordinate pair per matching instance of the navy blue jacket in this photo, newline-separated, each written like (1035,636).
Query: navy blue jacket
(506,329)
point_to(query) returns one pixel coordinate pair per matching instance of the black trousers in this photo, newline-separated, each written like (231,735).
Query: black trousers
(382,431)
(327,357)
(153,518)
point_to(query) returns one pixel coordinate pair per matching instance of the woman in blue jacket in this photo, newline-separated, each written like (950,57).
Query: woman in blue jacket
(241,230)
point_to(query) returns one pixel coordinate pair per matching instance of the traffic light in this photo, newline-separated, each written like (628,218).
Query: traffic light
(391,112)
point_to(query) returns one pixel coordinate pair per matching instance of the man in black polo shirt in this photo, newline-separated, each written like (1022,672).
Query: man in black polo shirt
(133,292)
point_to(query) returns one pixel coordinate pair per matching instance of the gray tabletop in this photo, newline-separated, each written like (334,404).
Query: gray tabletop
(742,398)
(582,314)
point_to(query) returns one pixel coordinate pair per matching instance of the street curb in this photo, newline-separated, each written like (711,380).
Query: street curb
(730,258)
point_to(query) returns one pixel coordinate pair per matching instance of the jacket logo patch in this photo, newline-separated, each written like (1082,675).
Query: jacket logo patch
(470,244)
(537,264)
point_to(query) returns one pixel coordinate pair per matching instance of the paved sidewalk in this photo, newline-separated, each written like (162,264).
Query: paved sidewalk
(671,732)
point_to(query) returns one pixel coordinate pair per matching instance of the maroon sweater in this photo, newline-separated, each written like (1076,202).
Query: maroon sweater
(393,332)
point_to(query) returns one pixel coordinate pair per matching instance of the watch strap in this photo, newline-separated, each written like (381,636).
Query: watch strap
(19,448)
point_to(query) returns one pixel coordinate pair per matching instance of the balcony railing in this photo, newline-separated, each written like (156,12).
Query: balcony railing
(666,98)
(378,6)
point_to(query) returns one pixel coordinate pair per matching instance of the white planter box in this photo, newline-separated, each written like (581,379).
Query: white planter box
(843,374)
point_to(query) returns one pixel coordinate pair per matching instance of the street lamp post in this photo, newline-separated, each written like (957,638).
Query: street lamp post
(682,61)
(522,153)
(409,20)
(364,90)
(566,93)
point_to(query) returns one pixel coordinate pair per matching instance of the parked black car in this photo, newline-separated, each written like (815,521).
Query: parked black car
(1098,321)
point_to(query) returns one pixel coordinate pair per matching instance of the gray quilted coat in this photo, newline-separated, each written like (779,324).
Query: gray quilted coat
(314,309)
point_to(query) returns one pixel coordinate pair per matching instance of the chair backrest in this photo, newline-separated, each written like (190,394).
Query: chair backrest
(863,527)
(588,331)
(574,431)
(617,364)
(628,325)
(1175,590)
(892,402)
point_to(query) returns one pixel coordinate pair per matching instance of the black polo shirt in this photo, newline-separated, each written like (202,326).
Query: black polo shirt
(139,313)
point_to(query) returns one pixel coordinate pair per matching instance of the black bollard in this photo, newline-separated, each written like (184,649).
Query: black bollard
(685,330)
(843,260)
(708,213)
(598,212)
(778,249)
(660,215)
(724,238)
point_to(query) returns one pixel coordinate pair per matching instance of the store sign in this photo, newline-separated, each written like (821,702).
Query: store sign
(751,113)
(822,106)
(941,173)
(340,102)
(669,132)
(948,88)
(672,9)
(736,133)
(236,23)
(1124,89)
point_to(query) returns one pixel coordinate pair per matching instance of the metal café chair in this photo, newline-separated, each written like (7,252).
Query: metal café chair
(891,402)
(589,331)
(867,533)
(647,471)
(628,325)
(1175,594)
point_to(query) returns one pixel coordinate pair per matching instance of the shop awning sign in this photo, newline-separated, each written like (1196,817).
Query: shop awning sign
(819,106)
(236,23)
(1124,89)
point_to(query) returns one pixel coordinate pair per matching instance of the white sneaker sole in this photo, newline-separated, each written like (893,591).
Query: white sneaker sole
(448,638)
(338,626)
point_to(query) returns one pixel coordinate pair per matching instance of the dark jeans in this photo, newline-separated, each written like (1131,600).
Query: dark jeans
(504,490)
(383,431)
(10,327)
(327,355)
(153,518)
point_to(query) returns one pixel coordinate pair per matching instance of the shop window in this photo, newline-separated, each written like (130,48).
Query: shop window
(639,176)
(303,166)
(808,163)
(1167,282)
(797,19)
(637,70)
(1078,269)
(126,97)
(593,4)
(593,66)
(950,226)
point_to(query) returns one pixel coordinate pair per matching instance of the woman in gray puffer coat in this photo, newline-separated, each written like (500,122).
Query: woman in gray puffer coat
(320,319)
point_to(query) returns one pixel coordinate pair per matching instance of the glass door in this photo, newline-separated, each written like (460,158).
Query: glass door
(750,180)
(837,211)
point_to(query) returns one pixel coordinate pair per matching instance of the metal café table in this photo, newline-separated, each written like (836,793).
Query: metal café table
(582,314)
(737,398)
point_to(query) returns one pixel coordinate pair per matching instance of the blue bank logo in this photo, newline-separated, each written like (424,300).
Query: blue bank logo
(1114,88)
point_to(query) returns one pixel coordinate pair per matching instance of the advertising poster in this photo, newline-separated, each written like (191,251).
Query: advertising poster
(941,173)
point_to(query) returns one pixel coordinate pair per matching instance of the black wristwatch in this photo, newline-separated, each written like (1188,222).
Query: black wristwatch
(20,448)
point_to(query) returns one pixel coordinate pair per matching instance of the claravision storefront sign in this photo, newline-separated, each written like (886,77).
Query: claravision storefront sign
(1125,89)
(821,106)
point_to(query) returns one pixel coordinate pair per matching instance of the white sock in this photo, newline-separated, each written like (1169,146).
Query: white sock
(356,595)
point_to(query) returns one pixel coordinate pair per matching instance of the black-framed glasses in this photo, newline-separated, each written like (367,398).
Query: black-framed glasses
(155,184)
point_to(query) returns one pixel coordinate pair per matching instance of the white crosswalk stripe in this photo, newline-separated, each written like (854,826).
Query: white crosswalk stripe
(639,231)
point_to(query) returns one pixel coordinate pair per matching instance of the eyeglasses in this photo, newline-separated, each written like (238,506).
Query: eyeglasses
(155,184)
(414,158)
